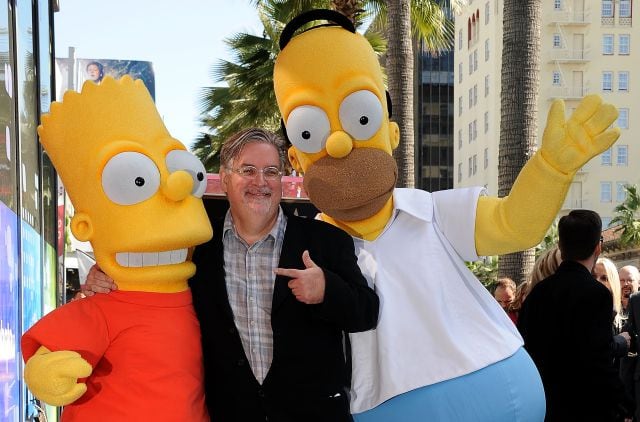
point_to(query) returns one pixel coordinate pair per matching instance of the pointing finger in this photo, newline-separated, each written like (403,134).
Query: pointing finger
(287,272)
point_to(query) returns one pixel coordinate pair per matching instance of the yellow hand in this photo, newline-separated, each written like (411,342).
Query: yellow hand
(53,376)
(567,146)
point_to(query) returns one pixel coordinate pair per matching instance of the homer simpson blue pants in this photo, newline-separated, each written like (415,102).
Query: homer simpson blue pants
(507,391)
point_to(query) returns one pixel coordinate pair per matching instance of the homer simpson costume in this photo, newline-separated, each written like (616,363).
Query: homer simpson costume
(443,349)
(135,354)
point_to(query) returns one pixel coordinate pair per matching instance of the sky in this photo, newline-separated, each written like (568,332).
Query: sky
(183,40)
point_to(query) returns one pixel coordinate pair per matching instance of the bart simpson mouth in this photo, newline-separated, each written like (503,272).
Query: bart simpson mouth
(151,259)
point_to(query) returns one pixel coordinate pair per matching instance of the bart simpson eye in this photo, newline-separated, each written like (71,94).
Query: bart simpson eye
(308,128)
(129,178)
(361,115)
(183,160)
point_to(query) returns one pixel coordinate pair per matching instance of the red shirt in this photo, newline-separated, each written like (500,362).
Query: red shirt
(145,351)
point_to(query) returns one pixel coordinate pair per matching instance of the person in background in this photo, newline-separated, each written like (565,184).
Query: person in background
(629,368)
(521,294)
(505,292)
(570,308)
(95,71)
(545,265)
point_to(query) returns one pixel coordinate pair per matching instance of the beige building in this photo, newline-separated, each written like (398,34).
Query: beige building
(586,47)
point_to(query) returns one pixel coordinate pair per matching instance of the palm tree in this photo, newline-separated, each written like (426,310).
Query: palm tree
(519,97)
(626,217)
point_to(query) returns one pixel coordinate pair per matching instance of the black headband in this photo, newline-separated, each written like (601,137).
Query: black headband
(314,15)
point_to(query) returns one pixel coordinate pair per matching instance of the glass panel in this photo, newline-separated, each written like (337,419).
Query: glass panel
(8,184)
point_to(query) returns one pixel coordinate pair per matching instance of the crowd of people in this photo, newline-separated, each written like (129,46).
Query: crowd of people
(583,338)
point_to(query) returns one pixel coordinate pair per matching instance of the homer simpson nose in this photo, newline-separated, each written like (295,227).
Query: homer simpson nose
(178,186)
(339,144)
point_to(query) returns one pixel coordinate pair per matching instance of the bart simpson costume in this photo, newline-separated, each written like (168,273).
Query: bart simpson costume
(134,354)
(443,349)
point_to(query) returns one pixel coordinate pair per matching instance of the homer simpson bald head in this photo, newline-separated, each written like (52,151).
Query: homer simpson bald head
(135,189)
(331,95)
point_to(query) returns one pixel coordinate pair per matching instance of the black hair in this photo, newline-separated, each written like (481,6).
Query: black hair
(100,69)
(579,234)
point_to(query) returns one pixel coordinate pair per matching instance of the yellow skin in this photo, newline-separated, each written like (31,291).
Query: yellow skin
(323,66)
(97,125)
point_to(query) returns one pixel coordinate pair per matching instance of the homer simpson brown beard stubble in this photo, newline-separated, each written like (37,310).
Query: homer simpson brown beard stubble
(352,188)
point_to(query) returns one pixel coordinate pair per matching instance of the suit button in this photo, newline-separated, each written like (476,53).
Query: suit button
(232,330)
(260,392)
(241,362)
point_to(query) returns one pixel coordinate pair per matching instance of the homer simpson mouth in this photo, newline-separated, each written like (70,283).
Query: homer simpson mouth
(151,259)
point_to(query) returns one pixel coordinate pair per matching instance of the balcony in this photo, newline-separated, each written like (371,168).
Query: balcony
(569,56)
(568,93)
(568,17)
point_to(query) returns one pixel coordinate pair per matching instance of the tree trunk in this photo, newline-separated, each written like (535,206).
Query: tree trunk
(400,80)
(519,98)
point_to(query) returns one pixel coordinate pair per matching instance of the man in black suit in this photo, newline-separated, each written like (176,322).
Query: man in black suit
(274,343)
(566,322)
(629,368)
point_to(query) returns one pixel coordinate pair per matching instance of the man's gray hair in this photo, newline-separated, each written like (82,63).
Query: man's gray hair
(234,145)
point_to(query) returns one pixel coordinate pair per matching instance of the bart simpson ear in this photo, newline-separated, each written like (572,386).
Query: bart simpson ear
(394,135)
(81,227)
(293,159)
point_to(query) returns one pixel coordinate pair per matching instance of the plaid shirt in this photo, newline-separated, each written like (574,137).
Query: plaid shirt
(250,279)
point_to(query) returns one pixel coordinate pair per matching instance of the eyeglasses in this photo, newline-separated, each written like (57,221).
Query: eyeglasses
(601,239)
(250,172)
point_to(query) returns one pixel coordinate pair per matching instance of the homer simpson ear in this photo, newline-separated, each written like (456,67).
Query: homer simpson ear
(293,159)
(394,135)
(81,227)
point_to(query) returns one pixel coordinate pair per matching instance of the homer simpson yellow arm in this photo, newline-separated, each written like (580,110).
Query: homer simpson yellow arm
(520,220)
(53,376)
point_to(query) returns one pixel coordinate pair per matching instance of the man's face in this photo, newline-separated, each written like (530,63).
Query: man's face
(93,72)
(253,197)
(628,282)
(504,296)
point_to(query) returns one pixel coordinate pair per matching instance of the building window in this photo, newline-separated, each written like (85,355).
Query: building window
(486,49)
(623,118)
(486,158)
(470,166)
(486,13)
(605,158)
(623,155)
(470,132)
(625,8)
(556,78)
(624,44)
(486,85)
(475,94)
(459,106)
(621,193)
(607,81)
(557,41)
(475,163)
(459,138)
(605,191)
(470,98)
(623,81)
(475,130)
(557,4)
(459,172)
(486,121)
(460,39)
(607,44)
(475,60)
(470,63)
(607,8)
(460,72)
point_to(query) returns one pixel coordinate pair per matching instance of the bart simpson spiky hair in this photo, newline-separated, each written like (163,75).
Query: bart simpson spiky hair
(76,129)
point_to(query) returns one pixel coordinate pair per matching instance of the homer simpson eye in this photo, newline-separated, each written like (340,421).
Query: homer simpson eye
(183,160)
(308,128)
(361,115)
(129,178)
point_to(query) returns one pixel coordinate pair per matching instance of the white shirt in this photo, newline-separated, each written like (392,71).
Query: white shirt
(437,321)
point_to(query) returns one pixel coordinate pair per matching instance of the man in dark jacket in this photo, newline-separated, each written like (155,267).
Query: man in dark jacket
(566,324)
(273,344)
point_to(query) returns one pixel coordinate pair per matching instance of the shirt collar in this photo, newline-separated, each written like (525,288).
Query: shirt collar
(228,226)
(412,202)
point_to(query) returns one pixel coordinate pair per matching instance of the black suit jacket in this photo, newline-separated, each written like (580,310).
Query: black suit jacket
(572,309)
(309,371)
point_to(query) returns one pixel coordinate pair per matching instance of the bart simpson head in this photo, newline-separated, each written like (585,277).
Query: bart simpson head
(136,190)
(331,95)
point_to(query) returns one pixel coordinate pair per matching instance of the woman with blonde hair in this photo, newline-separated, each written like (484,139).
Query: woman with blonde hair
(545,265)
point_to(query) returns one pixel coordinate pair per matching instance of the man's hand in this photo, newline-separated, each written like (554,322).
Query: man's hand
(568,145)
(97,282)
(306,285)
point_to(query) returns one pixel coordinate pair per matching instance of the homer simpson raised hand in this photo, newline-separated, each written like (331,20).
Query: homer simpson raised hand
(508,224)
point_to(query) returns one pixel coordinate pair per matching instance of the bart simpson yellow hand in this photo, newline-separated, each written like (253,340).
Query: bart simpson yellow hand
(53,376)
(567,146)
(520,220)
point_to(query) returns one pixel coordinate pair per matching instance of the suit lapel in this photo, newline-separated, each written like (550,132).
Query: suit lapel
(290,257)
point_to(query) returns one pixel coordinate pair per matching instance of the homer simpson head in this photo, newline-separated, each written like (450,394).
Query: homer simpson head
(330,92)
(136,190)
